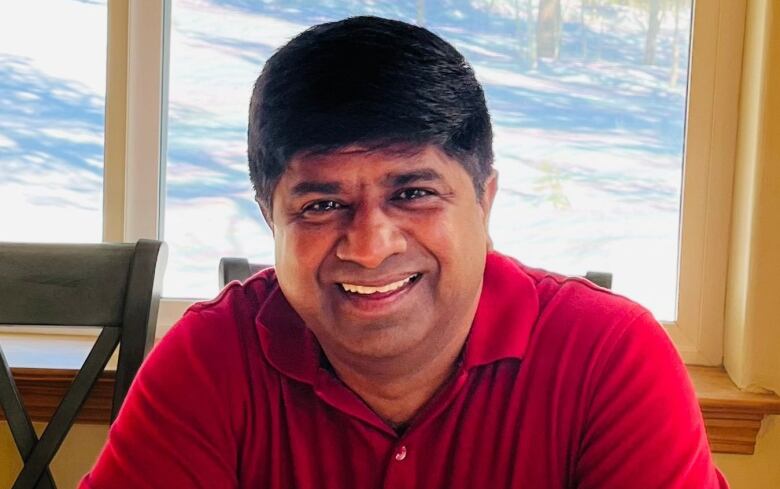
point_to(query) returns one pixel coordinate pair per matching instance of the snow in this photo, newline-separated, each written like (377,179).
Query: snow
(588,148)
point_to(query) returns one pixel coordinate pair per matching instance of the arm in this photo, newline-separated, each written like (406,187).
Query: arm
(644,426)
(175,426)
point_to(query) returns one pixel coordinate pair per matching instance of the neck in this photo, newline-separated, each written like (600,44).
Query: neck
(396,389)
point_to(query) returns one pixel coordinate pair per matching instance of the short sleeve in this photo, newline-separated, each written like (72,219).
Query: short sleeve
(644,426)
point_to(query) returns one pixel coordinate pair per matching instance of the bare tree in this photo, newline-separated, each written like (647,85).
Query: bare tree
(421,12)
(522,45)
(584,6)
(675,72)
(653,28)
(529,32)
(548,29)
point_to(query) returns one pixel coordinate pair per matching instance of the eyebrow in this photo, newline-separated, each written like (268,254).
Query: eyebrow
(313,187)
(405,178)
(394,179)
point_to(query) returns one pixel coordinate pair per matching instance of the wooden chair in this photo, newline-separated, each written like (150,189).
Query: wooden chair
(237,269)
(602,279)
(112,286)
(240,269)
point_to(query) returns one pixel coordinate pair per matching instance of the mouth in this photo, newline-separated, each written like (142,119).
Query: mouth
(385,293)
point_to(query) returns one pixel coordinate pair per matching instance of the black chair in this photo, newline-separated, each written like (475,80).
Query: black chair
(237,269)
(112,286)
(240,269)
(602,279)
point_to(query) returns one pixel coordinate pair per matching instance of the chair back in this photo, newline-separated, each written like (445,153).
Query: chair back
(115,287)
(237,269)
(602,279)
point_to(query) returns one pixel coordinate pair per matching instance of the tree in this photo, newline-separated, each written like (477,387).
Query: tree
(675,72)
(548,29)
(653,28)
(584,5)
(529,20)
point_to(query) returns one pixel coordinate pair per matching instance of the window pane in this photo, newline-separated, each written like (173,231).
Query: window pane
(52,93)
(587,99)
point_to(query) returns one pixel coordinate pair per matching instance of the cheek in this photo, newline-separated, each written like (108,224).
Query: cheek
(453,236)
(300,253)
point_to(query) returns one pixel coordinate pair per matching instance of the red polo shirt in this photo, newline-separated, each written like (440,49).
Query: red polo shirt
(561,385)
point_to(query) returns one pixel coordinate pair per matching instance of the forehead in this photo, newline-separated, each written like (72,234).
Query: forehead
(356,163)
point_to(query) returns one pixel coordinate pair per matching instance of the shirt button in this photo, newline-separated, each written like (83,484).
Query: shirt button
(400,454)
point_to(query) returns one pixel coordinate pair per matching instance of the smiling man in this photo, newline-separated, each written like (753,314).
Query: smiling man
(390,346)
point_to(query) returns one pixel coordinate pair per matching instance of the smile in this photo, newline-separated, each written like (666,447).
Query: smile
(382,289)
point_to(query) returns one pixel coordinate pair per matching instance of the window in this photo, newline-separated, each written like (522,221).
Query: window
(51,120)
(592,129)
(588,103)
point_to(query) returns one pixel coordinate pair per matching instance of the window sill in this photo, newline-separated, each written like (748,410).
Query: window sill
(732,417)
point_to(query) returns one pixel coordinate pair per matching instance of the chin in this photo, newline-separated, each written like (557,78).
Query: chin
(383,343)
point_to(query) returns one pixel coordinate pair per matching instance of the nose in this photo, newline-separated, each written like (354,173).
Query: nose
(370,237)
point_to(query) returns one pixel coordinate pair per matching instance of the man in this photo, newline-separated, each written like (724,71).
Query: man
(391,347)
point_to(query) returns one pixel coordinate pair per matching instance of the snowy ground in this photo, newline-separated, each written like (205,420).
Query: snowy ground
(588,148)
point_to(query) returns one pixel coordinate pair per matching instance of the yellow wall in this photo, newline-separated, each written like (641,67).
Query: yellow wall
(75,457)
(752,341)
(760,470)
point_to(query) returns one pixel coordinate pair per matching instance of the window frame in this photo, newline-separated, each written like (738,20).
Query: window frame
(709,158)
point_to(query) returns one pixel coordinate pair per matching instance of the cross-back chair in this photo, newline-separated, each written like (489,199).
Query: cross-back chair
(115,287)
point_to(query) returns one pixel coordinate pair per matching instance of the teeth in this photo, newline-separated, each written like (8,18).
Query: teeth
(362,289)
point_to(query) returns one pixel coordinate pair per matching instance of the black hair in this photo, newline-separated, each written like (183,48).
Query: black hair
(374,82)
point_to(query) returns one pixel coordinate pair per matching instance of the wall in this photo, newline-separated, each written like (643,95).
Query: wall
(752,331)
(76,456)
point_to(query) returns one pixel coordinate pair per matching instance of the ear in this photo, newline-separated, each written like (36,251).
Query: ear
(489,195)
(267,214)
(486,202)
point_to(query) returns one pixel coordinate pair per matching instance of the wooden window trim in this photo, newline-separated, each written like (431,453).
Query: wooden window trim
(732,417)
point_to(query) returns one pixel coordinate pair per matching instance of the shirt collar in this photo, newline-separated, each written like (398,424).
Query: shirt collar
(506,312)
(289,346)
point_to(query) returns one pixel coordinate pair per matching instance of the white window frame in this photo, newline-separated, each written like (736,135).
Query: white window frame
(710,146)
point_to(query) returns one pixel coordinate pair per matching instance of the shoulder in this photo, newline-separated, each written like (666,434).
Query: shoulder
(592,332)
(237,297)
(220,332)
(229,316)
(577,298)
(568,299)
(578,318)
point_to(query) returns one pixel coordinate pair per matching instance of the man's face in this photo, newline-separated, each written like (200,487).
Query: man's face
(381,254)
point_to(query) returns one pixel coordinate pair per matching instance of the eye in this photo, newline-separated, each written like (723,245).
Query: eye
(413,194)
(322,206)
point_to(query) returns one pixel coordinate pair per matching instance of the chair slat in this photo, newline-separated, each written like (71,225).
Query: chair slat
(51,284)
(65,415)
(144,288)
(18,420)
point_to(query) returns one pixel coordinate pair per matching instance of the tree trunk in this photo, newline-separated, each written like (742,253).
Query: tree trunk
(548,29)
(675,73)
(584,5)
(421,12)
(653,27)
(529,33)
